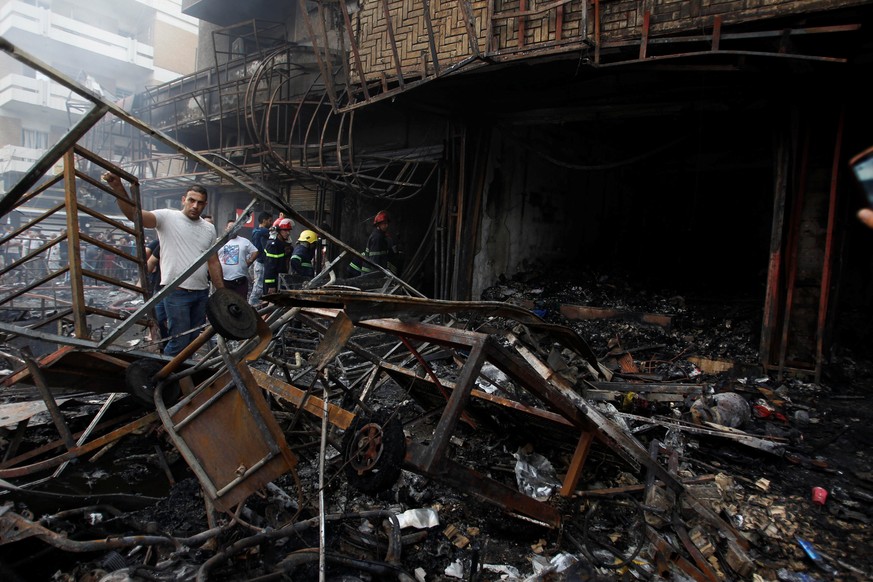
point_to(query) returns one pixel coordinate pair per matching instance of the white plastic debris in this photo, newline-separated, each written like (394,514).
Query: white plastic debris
(420,574)
(455,569)
(535,475)
(506,572)
(421,518)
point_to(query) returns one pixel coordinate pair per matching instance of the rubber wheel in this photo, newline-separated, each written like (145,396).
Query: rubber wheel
(138,378)
(231,315)
(373,449)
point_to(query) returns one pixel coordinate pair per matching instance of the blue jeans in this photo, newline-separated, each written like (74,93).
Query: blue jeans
(185,310)
(161,317)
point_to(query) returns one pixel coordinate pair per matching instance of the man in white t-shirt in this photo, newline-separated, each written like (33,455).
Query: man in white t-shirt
(235,258)
(184,237)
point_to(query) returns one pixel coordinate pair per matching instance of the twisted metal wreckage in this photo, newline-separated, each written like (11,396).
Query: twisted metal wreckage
(215,407)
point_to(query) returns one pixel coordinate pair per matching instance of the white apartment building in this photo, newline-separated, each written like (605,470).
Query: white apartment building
(116,47)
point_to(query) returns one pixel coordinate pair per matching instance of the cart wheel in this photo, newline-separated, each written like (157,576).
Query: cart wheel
(139,380)
(231,315)
(374,448)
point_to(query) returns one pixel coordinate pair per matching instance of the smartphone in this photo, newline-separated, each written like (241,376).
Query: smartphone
(862,166)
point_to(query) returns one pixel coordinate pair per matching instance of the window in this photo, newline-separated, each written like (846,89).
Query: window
(31,138)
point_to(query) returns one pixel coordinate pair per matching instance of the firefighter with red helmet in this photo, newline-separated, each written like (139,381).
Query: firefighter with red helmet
(381,249)
(276,254)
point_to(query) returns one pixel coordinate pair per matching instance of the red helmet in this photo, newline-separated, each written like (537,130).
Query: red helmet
(284,224)
(381,216)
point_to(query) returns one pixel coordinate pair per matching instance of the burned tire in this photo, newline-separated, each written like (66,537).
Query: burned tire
(139,381)
(373,450)
(231,315)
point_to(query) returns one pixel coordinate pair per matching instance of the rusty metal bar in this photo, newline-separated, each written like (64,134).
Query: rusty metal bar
(49,399)
(520,29)
(434,55)
(74,249)
(326,70)
(792,263)
(53,154)
(824,296)
(435,452)
(389,28)
(471,31)
(644,39)
(358,63)
(577,463)
(596,32)
(774,269)
(716,32)
(79,451)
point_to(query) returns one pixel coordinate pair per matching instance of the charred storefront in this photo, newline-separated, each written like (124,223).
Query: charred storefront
(626,338)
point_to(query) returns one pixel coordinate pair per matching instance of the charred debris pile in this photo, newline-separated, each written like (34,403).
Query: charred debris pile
(556,430)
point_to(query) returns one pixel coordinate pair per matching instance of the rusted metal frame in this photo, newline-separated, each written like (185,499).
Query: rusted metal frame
(74,248)
(27,198)
(559,20)
(337,416)
(358,64)
(16,440)
(372,309)
(172,430)
(792,258)
(400,372)
(716,33)
(483,487)
(53,154)
(710,38)
(607,431)
(436,381)
(428,23)
(774,268)
(699,559)
(824,295)
(520,29)
(326,72)
(79,451)
(28,288)
(108,248)
(573,409)
(473,39)
(535,12)
(56,444)
(21,261)
(459,168)
(434,454)
(574,472)
(644,39)
(31,223)
(596,32)
(49,399)
(389,28)
(95,421)
(259,191)
(668,552)
(58,339)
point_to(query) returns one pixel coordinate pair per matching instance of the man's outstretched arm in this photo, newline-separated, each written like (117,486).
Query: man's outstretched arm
(125,204)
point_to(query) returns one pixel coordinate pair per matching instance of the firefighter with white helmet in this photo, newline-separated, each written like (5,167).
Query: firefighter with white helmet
(304,253)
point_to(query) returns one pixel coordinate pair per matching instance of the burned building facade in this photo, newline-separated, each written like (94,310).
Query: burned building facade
(696,146)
